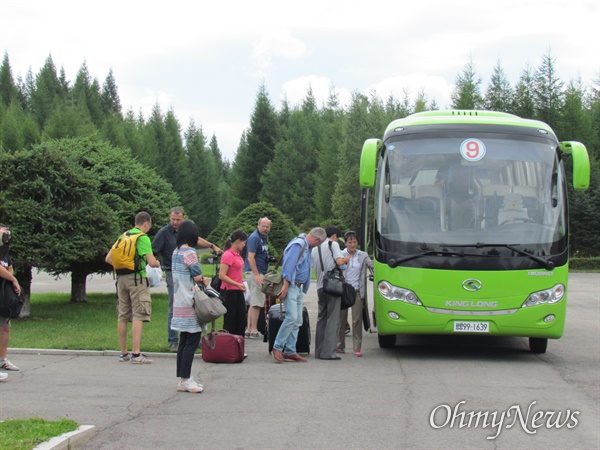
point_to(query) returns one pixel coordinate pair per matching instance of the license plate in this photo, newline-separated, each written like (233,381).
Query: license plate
(471,327)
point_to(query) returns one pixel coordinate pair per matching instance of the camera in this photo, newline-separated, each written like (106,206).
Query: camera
(271,259)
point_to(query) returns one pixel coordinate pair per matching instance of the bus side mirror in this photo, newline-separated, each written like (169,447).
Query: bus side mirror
(581,163)
(368,162)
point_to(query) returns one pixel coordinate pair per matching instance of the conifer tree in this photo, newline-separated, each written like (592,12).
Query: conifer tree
(548,91)
(499,93)
(47,91)
(522,103)
(328,168)
(466,93)
(252,159)
(8,88)
(87,92)
(109,98)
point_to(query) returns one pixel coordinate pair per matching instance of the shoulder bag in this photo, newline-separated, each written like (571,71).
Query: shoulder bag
(11,304)
(208,308)
(333,280)
(349,296)
(273,281)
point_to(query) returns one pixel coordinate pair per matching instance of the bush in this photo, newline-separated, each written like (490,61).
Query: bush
(282,227)
(585,264)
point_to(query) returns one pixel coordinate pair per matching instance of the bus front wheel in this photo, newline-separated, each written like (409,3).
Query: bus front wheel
(538,345)
(387,340)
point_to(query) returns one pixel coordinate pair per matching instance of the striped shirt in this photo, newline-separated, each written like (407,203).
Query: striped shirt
(185,266)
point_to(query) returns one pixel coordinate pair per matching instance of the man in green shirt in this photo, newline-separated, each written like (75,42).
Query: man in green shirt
(133,292)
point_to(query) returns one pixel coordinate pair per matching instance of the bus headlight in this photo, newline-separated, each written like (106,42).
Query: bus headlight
(547,296)
(395,293)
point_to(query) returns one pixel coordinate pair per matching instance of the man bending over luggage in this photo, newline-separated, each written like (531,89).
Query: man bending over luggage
(295,270)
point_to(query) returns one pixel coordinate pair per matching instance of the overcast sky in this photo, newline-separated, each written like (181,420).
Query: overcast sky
(206,60)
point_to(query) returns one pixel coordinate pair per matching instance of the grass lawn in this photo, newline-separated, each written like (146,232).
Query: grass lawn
(25,434)
(55,323)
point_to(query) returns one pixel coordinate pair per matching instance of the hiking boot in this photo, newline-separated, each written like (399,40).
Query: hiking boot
(141,359)
(7,365)
(190,386)
(123,357)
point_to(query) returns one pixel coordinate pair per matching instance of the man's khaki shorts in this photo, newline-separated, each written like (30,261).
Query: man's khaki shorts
(134,301)
(257,298)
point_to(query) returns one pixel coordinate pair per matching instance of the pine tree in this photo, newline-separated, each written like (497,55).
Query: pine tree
(466,93)
(522,102)
(548,92)
(288,180)
(8,88)
(48,90)
(328,168)
(109,98)
(251,161)
(87,92)
(499,93)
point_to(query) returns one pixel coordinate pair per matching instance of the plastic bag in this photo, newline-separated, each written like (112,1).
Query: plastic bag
(154,275)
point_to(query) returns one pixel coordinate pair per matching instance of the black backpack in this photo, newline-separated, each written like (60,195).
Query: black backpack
(11,304)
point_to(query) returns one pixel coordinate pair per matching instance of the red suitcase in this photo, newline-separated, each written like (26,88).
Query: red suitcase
(222,347)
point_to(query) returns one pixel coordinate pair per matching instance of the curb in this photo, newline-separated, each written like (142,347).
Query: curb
(69,440)
(58,352)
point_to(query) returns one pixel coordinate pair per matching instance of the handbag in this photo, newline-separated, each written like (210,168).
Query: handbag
(207,308)
(215,282)
(349,296)
(222,347)
(333,280)
(273,281)
(11,304)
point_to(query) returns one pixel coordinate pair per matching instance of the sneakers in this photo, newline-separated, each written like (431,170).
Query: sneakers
(7,365)
(3,376)
(340,350)
(141,359)
(357,353)
(173,347)
(124,357)
(190,386)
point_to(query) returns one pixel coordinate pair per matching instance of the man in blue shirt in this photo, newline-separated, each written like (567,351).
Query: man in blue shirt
(255,267)
(295,270)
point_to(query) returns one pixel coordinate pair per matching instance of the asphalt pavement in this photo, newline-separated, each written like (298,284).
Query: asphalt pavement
(381,400)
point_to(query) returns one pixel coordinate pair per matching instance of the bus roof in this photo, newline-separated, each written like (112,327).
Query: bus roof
(465,117)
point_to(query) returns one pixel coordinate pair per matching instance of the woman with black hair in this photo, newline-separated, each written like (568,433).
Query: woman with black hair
(186,273)
(232,283)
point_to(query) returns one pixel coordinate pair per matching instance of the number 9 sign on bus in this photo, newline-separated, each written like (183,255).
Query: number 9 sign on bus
(472,149)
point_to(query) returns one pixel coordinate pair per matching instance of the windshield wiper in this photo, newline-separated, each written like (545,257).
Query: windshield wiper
(548,265)
(396,262)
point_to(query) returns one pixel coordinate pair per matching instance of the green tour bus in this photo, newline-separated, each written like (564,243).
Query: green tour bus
(470,232)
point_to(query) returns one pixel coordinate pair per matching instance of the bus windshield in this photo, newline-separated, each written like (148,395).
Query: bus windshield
(460,189)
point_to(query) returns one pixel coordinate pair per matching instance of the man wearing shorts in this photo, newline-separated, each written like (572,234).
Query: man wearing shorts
(134,294)
(255,266)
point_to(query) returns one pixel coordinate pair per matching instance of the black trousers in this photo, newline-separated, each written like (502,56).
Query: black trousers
(188,343)
(235,319)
